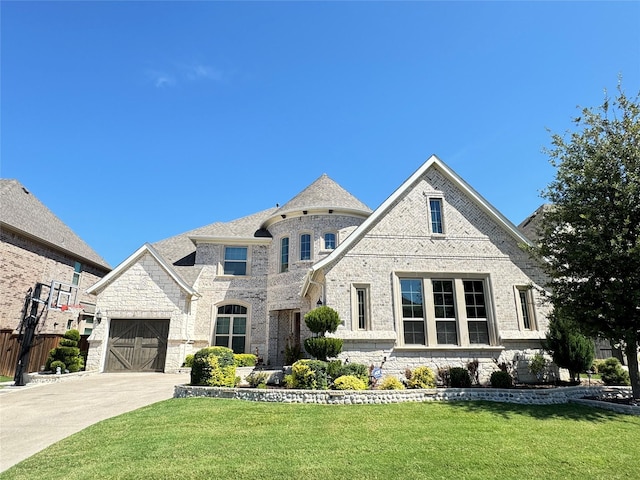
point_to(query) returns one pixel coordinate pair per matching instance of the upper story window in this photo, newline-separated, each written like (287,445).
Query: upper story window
(329,241)
(526,311)
(77,269)
(284,254)
(448,311)
(435,212)
(305,246)
(235,260)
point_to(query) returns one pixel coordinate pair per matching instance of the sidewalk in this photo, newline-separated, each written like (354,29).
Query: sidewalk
(35,416)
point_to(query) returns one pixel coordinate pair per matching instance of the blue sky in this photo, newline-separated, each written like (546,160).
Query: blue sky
(137,121)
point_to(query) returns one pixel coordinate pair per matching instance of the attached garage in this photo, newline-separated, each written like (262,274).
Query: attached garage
(137,345)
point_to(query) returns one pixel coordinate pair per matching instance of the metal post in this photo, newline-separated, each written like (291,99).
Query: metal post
(27,332)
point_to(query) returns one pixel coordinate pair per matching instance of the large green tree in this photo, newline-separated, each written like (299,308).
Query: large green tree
(590,238)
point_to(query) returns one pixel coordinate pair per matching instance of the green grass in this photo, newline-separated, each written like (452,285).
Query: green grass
(201,438)
(4,378)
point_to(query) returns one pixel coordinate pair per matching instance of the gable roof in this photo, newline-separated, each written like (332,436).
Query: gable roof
(133,258)
(447,172)
(22,212)
(322,195)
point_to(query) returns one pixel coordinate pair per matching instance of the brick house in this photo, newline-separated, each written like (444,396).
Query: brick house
(37,247)
(434,276)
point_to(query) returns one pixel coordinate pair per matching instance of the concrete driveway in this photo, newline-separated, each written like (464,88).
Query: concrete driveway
(34,417)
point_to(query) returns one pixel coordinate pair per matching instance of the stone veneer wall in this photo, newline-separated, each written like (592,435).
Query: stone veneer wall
(399,245)
(549,396)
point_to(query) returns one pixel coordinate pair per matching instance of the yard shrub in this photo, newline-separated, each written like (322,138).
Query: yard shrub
(460,377)
(188,361)
(355,369)
(501,379)
(257,379)
(421,377)
(66,352)
(214,367)
(320,321)
(308,375)
(55,364)
(349,382)
(611,372)
(538,367)
(390,383)
(245,359)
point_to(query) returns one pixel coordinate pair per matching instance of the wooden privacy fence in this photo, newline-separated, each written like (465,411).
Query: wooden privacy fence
(42,344)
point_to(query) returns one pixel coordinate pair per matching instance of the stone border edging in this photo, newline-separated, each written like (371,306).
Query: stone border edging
(549,396)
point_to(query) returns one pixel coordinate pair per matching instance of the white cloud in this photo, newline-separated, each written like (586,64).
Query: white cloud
(203,72)
(161,79)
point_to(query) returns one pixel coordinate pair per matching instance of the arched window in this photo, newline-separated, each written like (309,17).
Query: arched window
(231,328)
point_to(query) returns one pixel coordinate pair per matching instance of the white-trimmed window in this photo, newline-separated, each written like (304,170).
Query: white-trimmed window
(305,247)
(435,215)
(444,311)
(329,241)
(284,254)
(231,328)
(525,308)
(360,307)
(235,260)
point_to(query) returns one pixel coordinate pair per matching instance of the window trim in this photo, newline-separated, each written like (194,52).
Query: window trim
(77,274)
(462,325)
(356,324)
(525,292)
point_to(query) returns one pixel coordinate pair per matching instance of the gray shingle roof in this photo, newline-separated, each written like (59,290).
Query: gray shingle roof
(323,193)
(23,212)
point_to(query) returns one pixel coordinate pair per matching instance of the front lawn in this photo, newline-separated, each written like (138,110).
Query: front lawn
(201,438)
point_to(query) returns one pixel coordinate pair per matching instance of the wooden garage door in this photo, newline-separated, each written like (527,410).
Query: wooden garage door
(137,345)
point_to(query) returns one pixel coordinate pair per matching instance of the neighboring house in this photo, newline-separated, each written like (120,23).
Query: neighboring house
(434,276)
(37,247)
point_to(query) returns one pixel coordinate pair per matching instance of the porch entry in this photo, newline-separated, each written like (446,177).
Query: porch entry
(137,345)
(287,336)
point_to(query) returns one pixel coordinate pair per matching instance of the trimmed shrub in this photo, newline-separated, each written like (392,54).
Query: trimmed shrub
(355,369)
(460,377)
(538,366)
(323,348)
(390,383)
(67,352)
(421,377)
(214,367)
(611,372)
(501,379)
(349,382)
(55,364)
(322,319)
(308,375)
(188,361)
(245,359)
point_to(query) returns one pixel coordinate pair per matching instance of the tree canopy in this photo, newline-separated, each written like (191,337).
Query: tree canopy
(590,238)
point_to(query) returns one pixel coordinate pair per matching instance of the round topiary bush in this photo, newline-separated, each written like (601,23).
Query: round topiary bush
(323,348)
(349,382)
(460,377)
(322,319)
(501,379)
(421,377)
(67,352)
